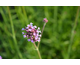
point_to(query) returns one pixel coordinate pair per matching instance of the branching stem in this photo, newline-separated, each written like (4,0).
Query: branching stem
(37,50)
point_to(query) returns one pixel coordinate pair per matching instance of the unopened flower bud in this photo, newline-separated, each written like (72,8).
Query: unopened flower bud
(45,20)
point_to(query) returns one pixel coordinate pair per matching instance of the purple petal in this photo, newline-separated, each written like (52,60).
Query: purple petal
(22,32)
(22,28)
(35,26)
(36,37)
(40,35)
(24,36)
(29,40)
(39,40)
(28,25)
(29,29)
(34,34)
(32,27)
(31,24)
(32,41)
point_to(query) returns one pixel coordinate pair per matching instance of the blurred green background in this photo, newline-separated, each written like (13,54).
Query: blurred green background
(58,40)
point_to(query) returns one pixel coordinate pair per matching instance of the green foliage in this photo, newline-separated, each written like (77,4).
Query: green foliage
(56,36)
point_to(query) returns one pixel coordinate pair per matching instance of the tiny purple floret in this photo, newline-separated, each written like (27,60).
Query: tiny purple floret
(22,28)
(32,41)
(39,40)
(35,26)
(29,40)
(22,32)
(24,36)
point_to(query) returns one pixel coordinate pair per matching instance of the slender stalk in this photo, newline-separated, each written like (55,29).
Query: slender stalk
(41,34)
(13,34)
(37,51)
(72,32)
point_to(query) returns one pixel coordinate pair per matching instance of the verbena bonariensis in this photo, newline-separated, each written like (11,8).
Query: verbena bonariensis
(34,34)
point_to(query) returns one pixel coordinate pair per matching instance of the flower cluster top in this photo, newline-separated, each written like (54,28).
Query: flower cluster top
(32,33)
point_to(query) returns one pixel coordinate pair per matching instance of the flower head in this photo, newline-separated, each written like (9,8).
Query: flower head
(32,33)
(0,57)
(45,20)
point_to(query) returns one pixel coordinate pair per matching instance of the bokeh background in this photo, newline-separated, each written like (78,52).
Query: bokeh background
(61,36)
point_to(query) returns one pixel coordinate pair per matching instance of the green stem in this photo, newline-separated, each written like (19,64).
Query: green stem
(72,33)
(14,38)
(37,51)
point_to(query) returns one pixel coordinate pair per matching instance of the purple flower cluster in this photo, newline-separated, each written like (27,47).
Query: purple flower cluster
(32,33)
(0,57)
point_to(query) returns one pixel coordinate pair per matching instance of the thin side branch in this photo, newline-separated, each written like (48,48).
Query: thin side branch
(41,34)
